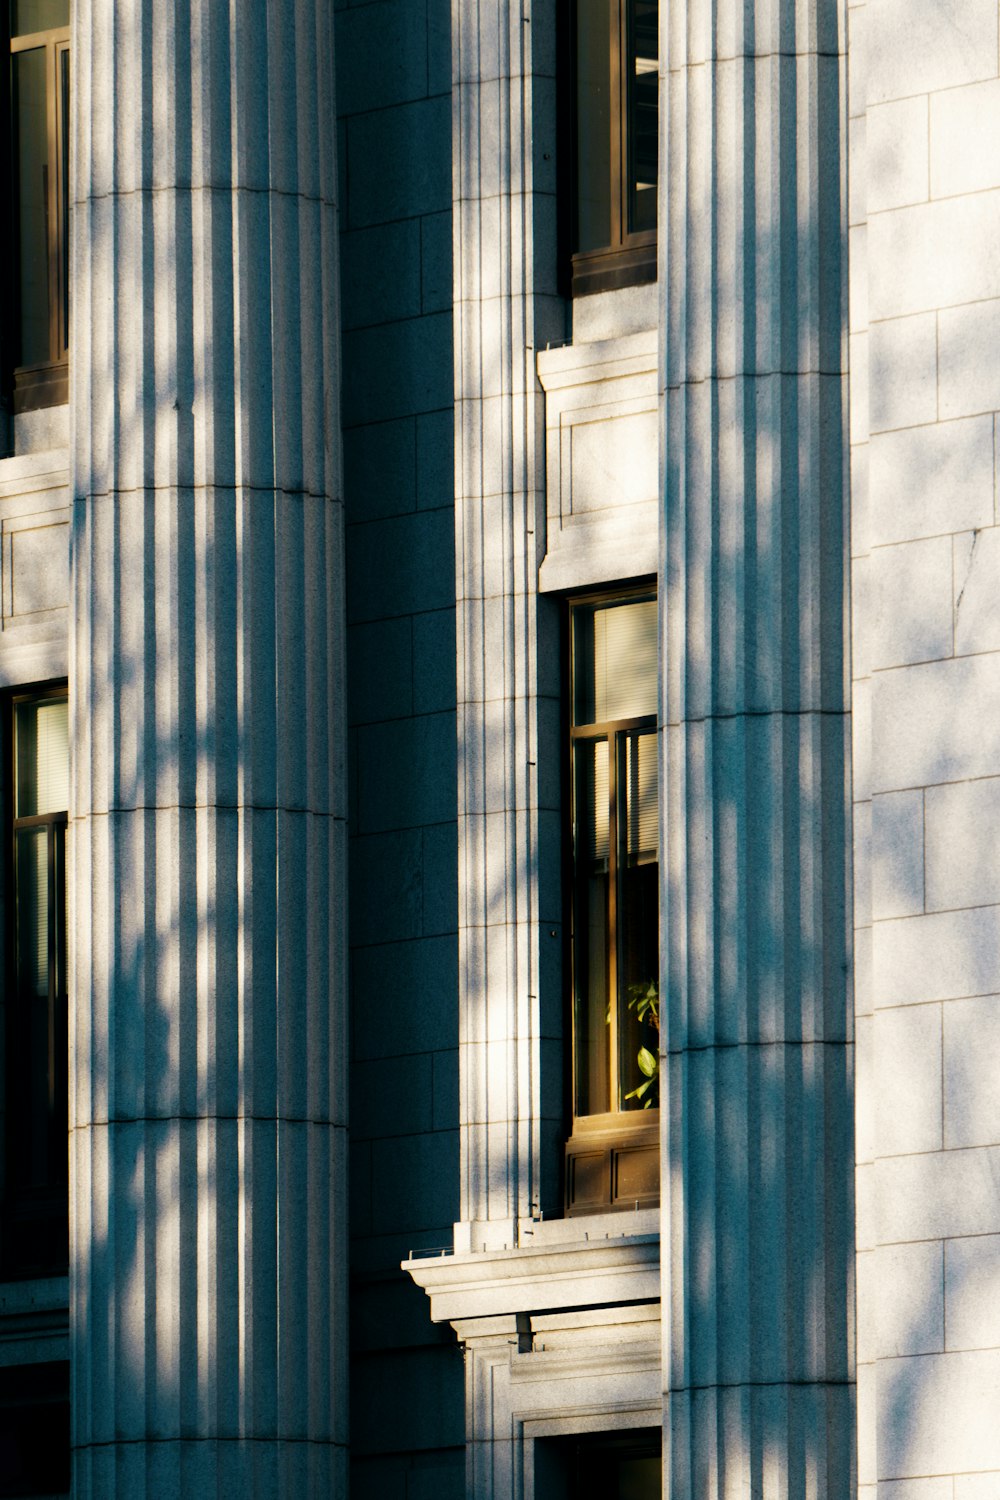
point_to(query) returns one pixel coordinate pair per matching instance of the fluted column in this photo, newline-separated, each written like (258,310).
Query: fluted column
(208,793)
(756,1038)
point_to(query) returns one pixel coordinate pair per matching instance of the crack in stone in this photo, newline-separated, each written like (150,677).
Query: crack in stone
(968,572)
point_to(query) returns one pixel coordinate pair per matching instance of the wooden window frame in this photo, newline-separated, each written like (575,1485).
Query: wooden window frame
(629,259)
(45,382)
(612,1159)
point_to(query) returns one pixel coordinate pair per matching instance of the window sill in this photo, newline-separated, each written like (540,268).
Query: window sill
(34,1321)
(607,270)
(615,315)
(44,430)
(594,1262)
(39,386)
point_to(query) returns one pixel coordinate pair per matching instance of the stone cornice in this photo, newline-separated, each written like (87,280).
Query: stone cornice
(578,1273)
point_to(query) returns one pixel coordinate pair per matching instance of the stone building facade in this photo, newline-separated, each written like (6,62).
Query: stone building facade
(401,579)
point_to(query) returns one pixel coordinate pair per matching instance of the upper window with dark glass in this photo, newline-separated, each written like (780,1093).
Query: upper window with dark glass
(36,331)
(615,74)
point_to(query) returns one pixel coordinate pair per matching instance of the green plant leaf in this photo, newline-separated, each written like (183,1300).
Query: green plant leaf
(648,1062)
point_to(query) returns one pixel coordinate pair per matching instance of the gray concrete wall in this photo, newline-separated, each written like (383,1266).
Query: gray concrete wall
(394,103)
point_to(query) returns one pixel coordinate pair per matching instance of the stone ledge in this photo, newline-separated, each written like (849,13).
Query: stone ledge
(576,1273)
(34,1321)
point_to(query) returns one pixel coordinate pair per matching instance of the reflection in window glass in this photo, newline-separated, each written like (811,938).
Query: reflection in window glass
(641,105)
(64,188)
(593,113)
(616,857)
(616,149)
(42,736)
(33,188)
(593,874)
(638,925)
(31,876)
(38,211)
(615,654)
(27,16)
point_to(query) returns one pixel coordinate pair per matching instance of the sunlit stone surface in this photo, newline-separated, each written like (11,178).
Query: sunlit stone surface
(925,293)
(208,1102)
(757,1226)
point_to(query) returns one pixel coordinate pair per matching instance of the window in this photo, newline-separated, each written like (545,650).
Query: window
(614,46)
(613,1151)
(36,332)
(34,1430)
(35,1208)
(620,1465)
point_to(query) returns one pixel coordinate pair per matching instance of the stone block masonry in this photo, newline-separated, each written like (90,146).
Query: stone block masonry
(394,82)
(924,114)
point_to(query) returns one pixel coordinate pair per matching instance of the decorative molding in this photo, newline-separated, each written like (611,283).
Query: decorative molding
(602,473)
(602,1379)
(599,1272)
(34,1321)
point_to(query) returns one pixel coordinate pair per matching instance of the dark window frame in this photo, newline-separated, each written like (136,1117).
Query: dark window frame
(43,382)
(629,258)
(34,1215)
(611,1160)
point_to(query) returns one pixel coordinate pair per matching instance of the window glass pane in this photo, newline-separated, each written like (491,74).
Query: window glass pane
(638,921)
(593,119)
(27,16)
(591,849)
(640,1478)
(28,70)
(615,662)
(42,749)
(61,984)
(31,854)
(641,104)
(64,188)
(638,795)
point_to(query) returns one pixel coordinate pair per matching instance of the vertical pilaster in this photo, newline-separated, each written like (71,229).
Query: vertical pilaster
(497,414)
(208,803)
(756,1030)
(868,1293)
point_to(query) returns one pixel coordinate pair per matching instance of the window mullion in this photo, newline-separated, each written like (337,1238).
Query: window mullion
(613,999)
(50,846)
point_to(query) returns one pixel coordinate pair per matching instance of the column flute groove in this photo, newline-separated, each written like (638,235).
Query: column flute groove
(499,540)
(756,1039)
(208,800)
